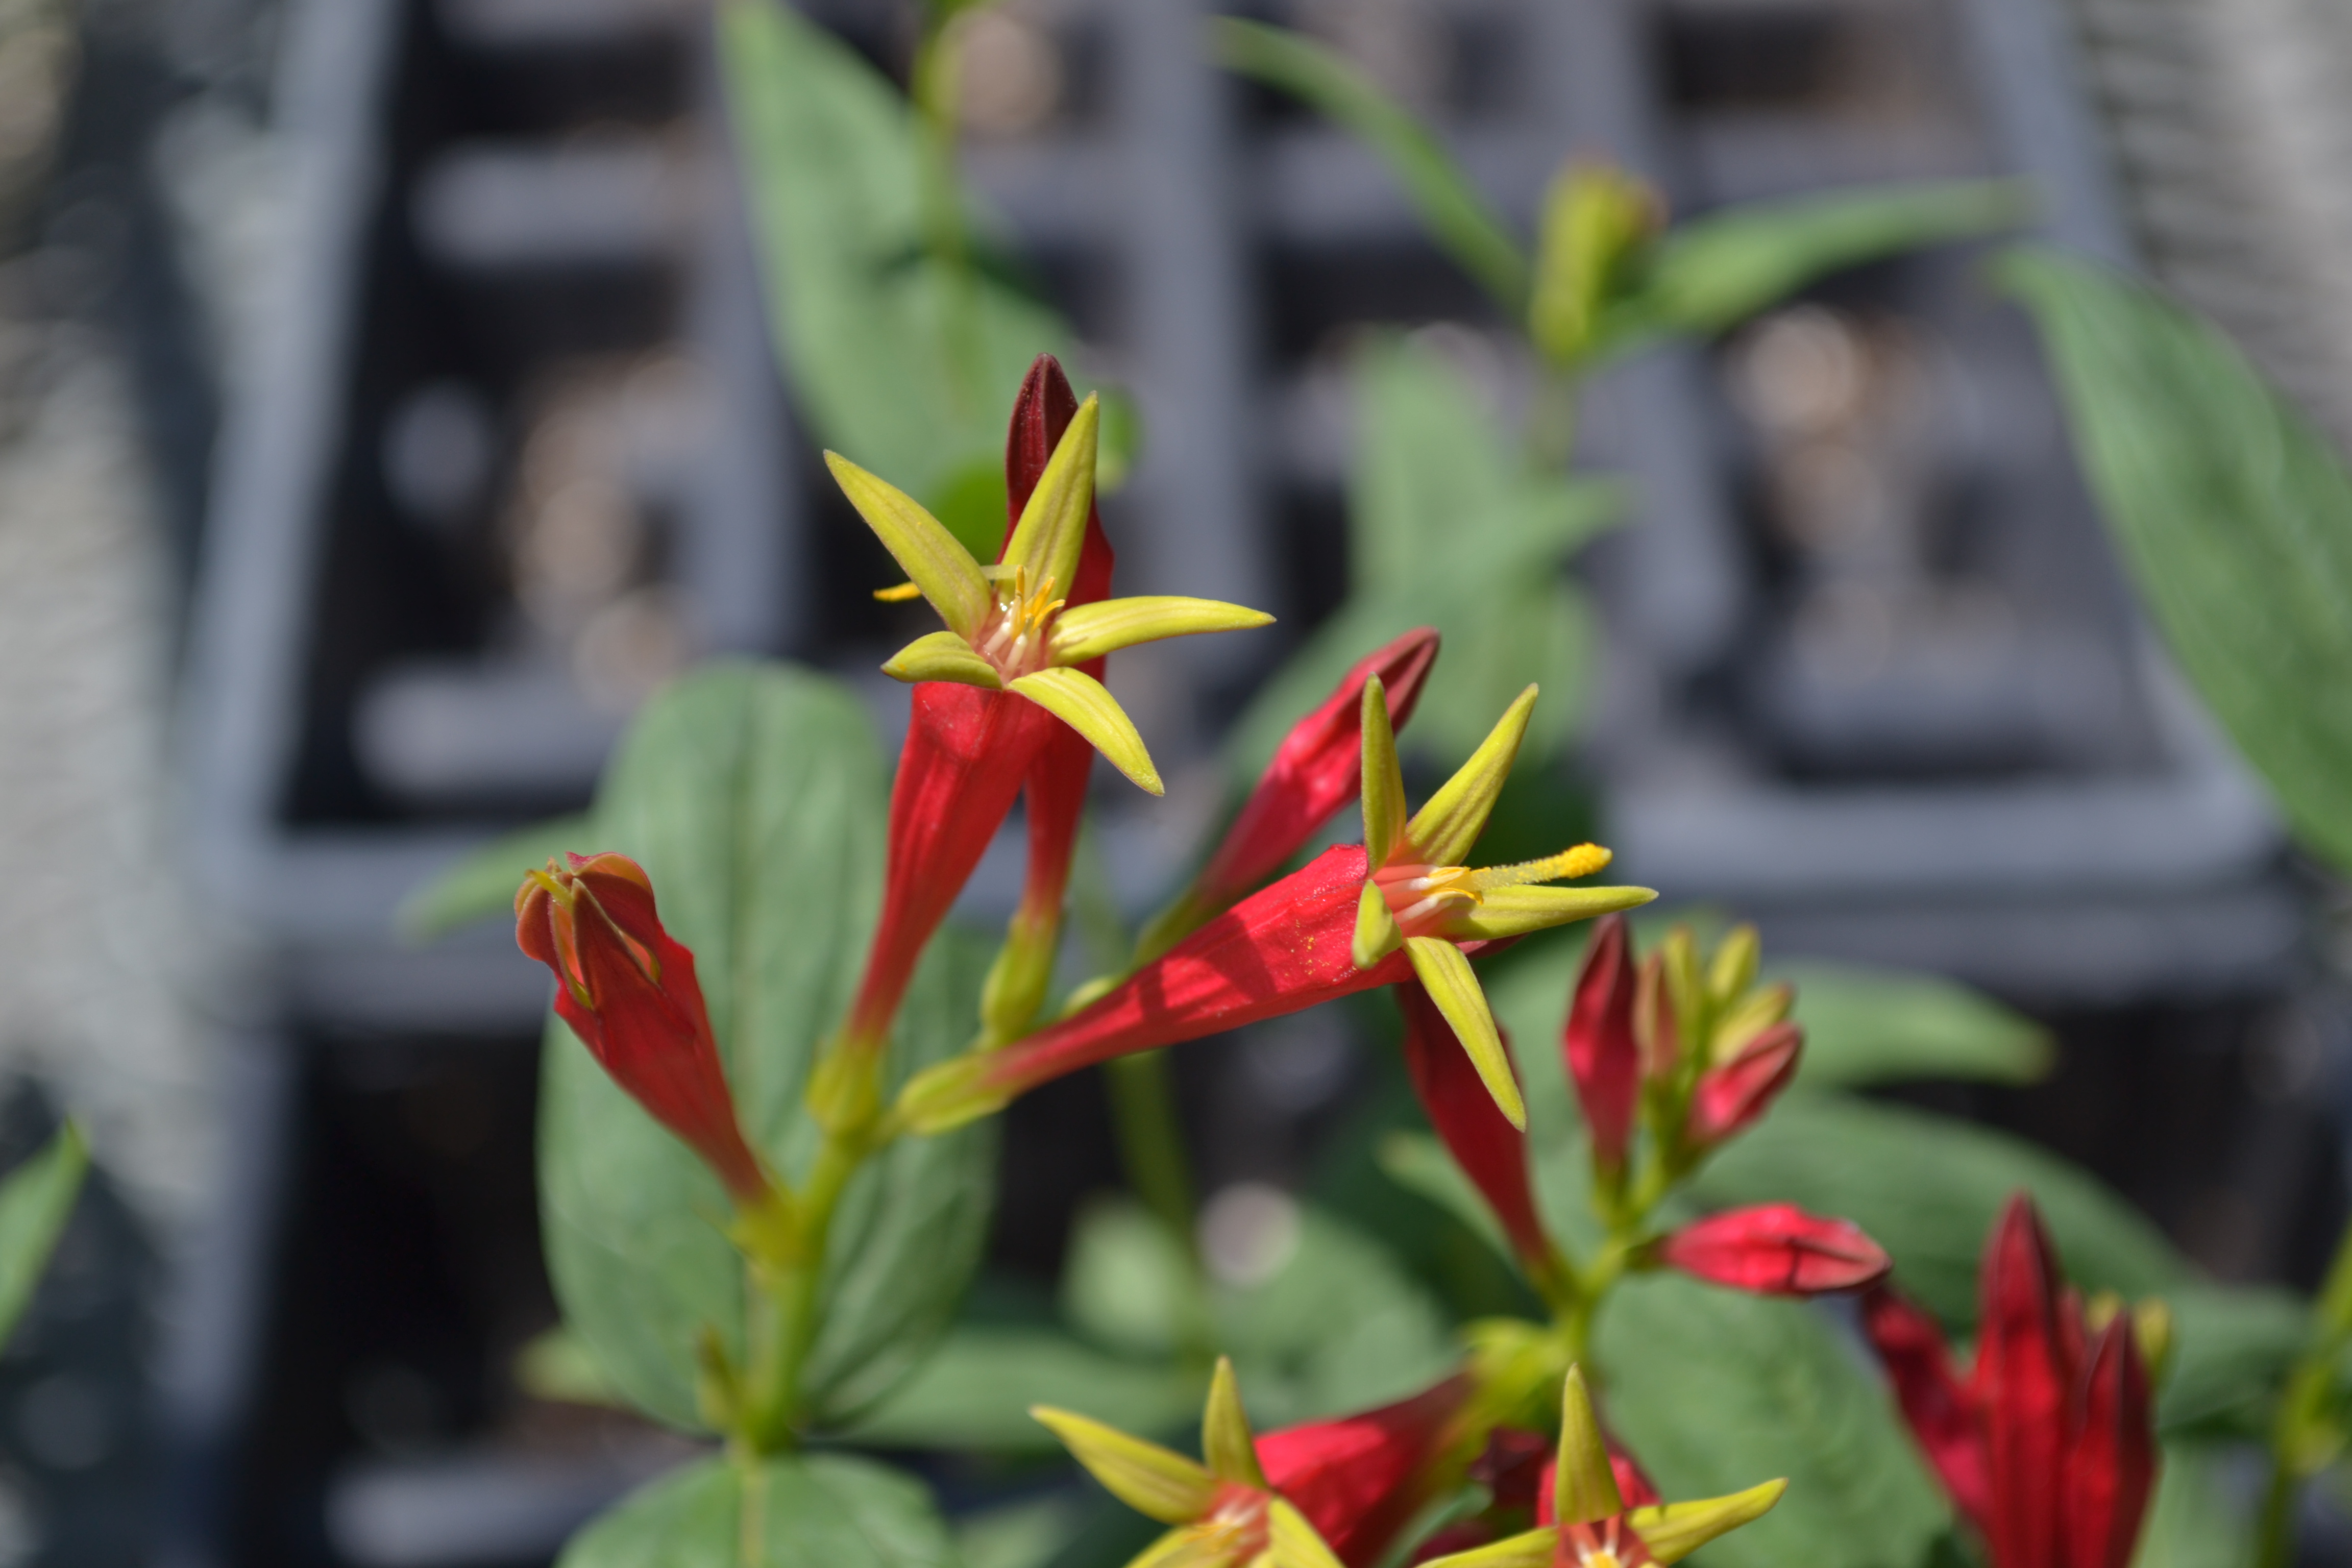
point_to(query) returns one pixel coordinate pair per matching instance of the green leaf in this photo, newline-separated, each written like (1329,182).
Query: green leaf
(1712,273)
(976,1389)
(1929,1188)
(824,1509)
(1879,1025)
(1420,1164)
(1125,1282)
(558,1365)
(754,797)
(483,882)
(36,1201)
(1448,528)
(2234,514)
(1459,218)
(2191,1523)
(1717,1391)
(1025,1534)
(907,366)
(2232,1350)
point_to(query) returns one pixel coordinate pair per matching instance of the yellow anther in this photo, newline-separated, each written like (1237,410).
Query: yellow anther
(1566,866)
(900,595)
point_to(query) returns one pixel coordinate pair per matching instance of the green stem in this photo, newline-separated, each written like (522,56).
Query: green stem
(1151,1148)
(2303,1437)
(932,86)
(788,1291)
(1551,420)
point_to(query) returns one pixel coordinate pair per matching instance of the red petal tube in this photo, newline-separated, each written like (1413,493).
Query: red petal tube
(2110,1459)
(1729,1099)
(1317,769)
(1603,1056)
(2024,1375)
(1057,778)
(628,989)
(1360,1479)
(1491,1151)
(1776,1249)
(1285,948)
(967,753)
(1940,1409)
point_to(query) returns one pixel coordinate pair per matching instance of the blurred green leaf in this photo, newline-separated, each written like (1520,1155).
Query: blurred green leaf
(558,1365)
(1464,225)
(976,1389)
(754,797)
(36,1201)
(1420,1163)
(1024,1534)
(1928,1189)
(1717,1391)
(1448,528)
(905,365)
(825,1509)
(1125,1281)
(2234,514)
(2191,1523)
(1710,274)
(483,883)
(1874,1025)
(2231,1349)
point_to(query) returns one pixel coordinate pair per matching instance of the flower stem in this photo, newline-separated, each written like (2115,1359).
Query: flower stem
(932,85)
(787,1299)
(2304,1437)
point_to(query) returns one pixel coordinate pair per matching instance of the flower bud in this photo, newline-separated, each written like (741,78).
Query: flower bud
(628,989)
(1603,1056)
(1729,1099)
(1775,1249)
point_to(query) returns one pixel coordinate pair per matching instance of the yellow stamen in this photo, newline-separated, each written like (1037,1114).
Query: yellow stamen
(1565,867)
(900,595)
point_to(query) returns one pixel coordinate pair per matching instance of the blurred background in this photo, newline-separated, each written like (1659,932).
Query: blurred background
(386,407)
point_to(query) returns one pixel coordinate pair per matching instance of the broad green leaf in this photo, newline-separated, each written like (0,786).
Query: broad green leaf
(1928,1189)
(1126,1283)
(1717,1391)
(1448,528)
(1025,1534)
(2234,514)
(822,1509)
(36,1201)
(904,364)
(2192,1523)
(1459,218)
(1420,1164)
(483,883)
(976,1389)
(754,797)
(2232,1348)
(1714,272)
(1881,1025)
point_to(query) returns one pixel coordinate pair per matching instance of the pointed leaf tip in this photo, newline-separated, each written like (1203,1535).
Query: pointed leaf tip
(1674,1530)
(1156,1482)
(1086,705)
(1584,1487)
(930,556)
(1226,1439)
(1453,984)
(1382,784)
(1377,935)
(1449,823)
(1053,526)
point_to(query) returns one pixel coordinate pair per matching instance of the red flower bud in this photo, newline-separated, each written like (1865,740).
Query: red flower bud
(1603,1055)
(1491,1151)
(1729,1097)
(1939,1408)
(628,989)
(2050,1448)
(1316,769)
(1360,1479)
(1776,1249)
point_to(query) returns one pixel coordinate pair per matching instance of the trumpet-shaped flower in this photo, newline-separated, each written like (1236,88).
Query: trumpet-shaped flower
(1315,772)
(1419,898)
(1589,1523)
(1604,1059)
(2049,1445)
(1298,941)
(1330,1494)
(989,690)
(1491,1151)
(628,989)
(1056,785)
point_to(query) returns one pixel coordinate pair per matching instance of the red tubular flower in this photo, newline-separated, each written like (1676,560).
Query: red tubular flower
(1284,949)
(2050,1447)
(1603,1056)
(1056,782)
(1491,1151)
(1776,1249)
(1316,769)
(628,989)
(1360,1479)
(1729,1097)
